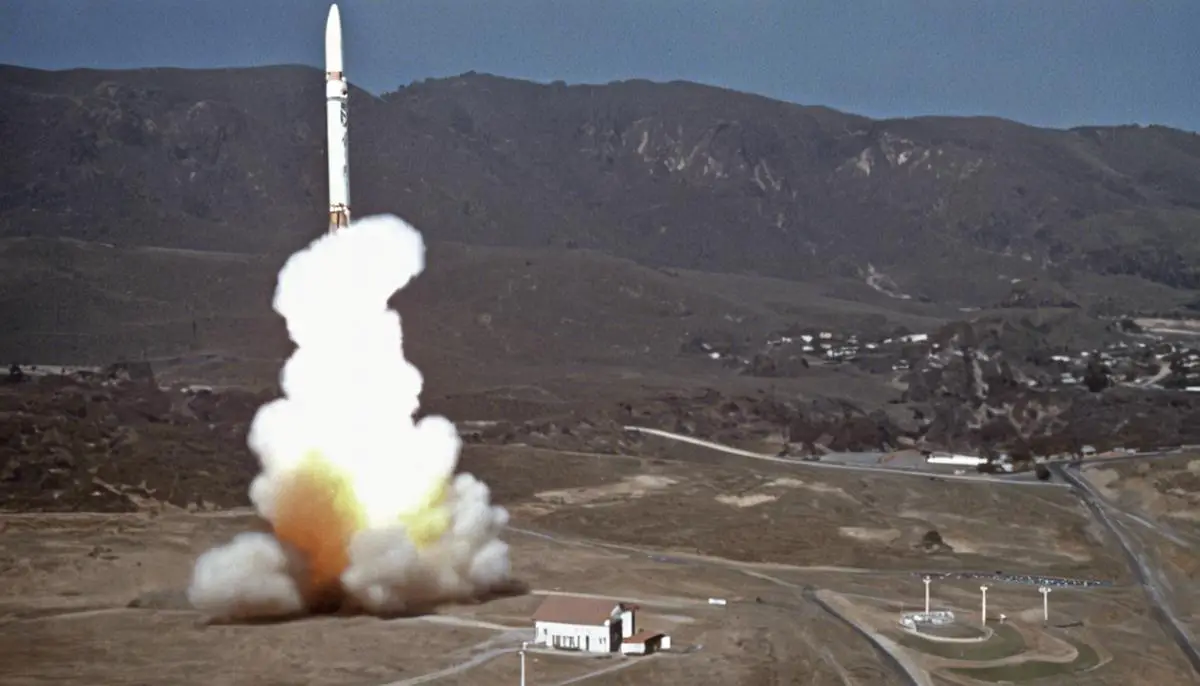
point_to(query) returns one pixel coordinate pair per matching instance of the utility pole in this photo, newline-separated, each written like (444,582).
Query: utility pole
(524,644)
(1045,591)
(983,611)
(926,580)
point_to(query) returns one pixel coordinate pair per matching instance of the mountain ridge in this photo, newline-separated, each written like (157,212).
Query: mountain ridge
(674,174)
(606,242)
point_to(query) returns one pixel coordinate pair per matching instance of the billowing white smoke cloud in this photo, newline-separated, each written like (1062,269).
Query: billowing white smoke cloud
(251,576)
(388,574)
(362,499)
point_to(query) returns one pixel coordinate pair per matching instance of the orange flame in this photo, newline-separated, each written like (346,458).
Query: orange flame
(317,514)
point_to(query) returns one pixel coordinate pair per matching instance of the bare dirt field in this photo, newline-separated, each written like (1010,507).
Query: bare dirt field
(99,599)
(113,489)
(1158,506)
(690,499)
(1165,489)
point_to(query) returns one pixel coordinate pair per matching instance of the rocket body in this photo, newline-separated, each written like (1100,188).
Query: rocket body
(337,95)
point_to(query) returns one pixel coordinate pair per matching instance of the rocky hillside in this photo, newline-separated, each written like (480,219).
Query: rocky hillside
(676,255)
(954,210)
(107,440)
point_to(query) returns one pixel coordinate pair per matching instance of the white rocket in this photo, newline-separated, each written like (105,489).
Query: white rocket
(337,94)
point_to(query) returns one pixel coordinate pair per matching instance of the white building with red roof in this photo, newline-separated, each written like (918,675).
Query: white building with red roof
(593,625)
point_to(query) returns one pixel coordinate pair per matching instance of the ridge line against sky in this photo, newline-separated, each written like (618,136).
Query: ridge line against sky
(1057,63)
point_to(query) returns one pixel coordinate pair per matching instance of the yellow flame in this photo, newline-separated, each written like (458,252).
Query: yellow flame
(430,519)
(318,512)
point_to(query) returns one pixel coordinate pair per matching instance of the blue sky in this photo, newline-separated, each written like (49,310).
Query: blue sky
(1047,62)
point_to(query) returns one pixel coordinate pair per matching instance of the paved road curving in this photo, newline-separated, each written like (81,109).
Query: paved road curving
(889,471)
(892,654)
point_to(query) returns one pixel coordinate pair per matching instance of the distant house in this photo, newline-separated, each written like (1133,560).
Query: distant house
(590,625)
(593,625)
(965,460)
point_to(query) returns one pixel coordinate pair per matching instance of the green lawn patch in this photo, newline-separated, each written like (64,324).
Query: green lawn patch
(1034,669)
(1004,642)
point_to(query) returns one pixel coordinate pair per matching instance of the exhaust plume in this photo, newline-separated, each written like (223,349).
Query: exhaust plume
(363,503)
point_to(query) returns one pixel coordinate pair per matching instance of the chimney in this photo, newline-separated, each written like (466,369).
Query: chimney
(627,628)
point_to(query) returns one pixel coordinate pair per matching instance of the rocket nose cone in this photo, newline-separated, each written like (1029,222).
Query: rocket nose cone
(333,24)
(333,40)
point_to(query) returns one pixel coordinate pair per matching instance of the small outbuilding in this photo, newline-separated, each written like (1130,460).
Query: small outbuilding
(645,643)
